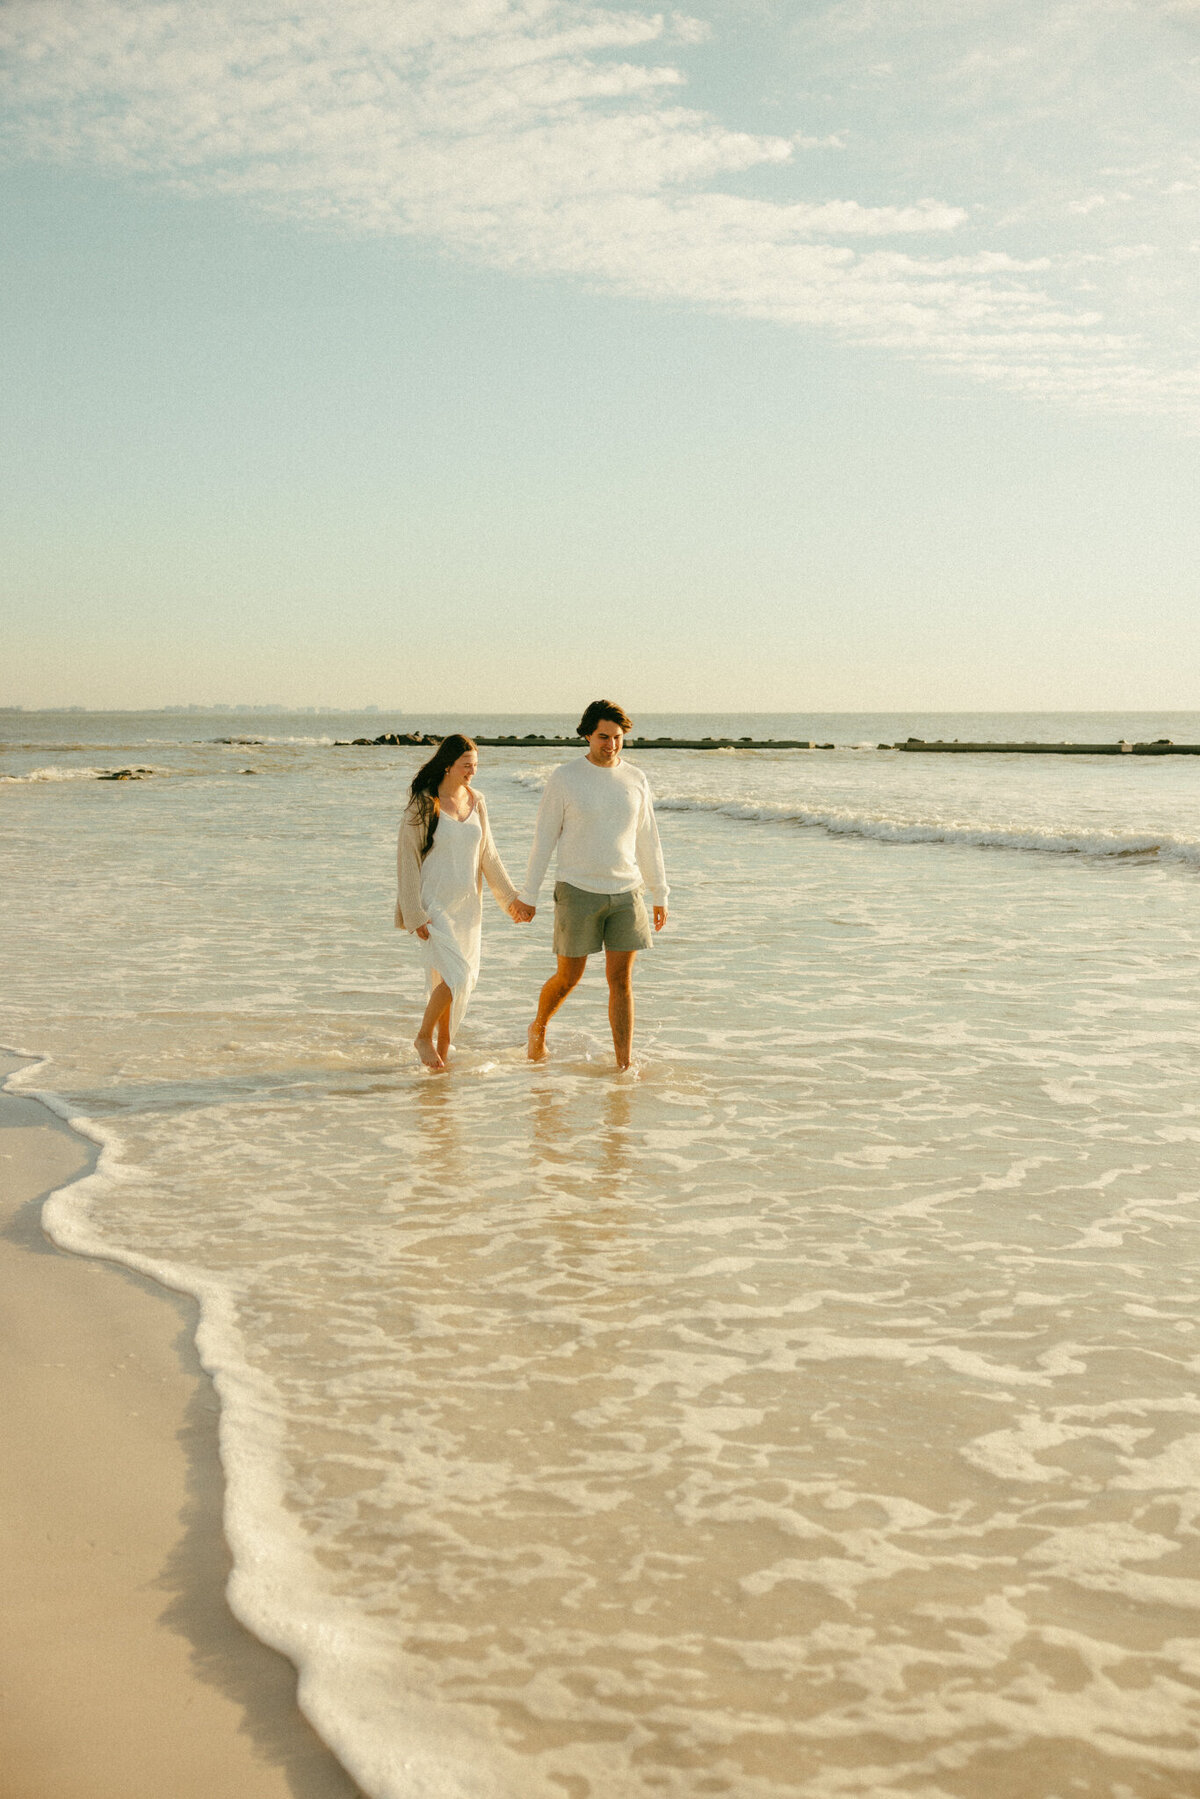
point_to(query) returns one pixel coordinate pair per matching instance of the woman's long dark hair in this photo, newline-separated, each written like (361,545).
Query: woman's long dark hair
(428,778)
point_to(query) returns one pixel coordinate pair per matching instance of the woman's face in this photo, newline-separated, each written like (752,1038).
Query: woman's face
(463,771)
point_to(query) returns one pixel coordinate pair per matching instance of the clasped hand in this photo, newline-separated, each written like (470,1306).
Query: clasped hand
(517,910)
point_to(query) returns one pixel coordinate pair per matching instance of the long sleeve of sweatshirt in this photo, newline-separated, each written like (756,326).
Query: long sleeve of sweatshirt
(546,834)
(648,853)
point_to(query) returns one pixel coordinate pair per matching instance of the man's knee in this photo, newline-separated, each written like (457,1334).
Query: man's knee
(570,971)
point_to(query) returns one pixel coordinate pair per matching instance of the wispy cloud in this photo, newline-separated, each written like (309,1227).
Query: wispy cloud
(551,137)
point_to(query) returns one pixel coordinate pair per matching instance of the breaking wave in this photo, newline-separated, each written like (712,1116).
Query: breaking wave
(85,774)
(1014,836)
(258,742)
(846,822)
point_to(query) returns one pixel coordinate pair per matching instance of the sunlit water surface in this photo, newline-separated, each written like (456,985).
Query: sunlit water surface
(814,1413)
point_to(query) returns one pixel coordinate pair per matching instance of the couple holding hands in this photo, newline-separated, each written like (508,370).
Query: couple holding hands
(597,813)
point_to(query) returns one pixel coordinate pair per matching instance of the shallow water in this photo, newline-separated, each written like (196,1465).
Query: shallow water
(814,1414)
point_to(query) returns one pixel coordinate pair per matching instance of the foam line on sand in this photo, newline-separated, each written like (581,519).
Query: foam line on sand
(122,1671)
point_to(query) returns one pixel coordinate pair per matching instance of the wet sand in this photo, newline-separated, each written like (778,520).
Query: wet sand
(123,1673)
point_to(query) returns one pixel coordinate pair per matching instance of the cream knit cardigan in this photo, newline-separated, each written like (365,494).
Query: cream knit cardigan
(410,913)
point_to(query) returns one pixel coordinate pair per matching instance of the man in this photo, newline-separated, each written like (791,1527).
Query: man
(598,814)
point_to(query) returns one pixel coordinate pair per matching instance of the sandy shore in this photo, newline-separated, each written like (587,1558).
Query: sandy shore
(122,1673)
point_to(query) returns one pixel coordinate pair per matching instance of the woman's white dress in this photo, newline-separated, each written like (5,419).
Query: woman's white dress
(450,895)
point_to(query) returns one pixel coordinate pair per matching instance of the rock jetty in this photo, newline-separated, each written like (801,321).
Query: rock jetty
(397,737)
(534,740)
(1162,746)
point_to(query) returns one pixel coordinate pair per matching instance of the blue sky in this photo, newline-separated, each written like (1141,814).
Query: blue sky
(467,354)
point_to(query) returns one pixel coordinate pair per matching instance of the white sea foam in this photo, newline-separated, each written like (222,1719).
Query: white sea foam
(923,822)
(82,774)
(888,830)
(265,739)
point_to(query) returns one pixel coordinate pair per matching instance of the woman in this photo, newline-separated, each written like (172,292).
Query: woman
(444,853)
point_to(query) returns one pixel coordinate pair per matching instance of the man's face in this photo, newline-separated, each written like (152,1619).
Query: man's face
(604,744)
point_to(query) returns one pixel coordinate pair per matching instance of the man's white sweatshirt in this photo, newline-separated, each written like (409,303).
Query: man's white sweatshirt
(602,822)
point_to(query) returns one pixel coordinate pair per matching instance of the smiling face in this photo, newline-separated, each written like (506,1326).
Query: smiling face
(604,744)
(462,772)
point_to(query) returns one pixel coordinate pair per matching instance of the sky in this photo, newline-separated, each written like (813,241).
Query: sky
(773,355)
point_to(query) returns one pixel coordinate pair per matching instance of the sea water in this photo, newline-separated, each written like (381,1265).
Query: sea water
(813,1412)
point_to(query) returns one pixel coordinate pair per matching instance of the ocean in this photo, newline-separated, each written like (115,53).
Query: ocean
(813,1412)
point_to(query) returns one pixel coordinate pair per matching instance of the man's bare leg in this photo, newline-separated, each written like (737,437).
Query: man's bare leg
(437,1017)
(618,966)
(568,974)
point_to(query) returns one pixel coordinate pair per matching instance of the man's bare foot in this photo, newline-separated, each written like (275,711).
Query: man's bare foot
(426,1051)
(537,1042)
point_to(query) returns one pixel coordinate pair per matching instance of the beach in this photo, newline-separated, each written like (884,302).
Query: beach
(811,1414)
(124,1675)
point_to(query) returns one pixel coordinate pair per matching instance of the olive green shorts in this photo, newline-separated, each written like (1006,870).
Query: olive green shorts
(586,922)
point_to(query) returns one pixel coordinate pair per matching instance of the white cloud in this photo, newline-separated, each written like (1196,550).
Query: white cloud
(548,136)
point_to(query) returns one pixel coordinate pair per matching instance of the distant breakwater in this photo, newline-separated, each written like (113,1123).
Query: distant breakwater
(532,740)
(1162,746)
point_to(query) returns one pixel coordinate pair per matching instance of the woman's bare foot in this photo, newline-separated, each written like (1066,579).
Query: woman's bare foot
(537,1042)
(426,1051)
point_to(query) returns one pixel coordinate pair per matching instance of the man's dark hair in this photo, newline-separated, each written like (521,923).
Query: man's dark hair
(603,709)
